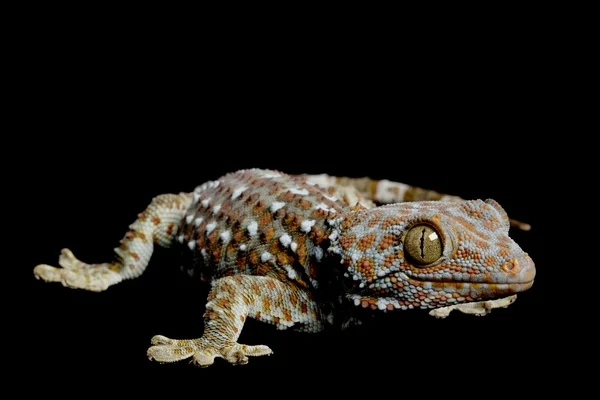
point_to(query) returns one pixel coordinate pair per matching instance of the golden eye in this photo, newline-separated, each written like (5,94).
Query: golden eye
(423,244)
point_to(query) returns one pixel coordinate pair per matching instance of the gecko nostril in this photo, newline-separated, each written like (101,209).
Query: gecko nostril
(510,265)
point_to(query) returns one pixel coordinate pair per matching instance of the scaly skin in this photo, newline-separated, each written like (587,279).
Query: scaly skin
(299,251)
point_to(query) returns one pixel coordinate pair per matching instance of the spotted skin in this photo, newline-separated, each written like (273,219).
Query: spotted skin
(301,251)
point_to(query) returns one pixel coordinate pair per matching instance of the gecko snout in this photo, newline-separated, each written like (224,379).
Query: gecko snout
(518,272)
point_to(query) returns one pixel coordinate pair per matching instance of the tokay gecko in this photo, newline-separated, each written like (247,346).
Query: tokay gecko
(303,251)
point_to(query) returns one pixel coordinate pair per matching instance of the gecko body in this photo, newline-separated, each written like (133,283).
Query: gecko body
(300,251)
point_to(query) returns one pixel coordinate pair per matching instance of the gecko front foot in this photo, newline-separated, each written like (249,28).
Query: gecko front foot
(77,274)
(202,352)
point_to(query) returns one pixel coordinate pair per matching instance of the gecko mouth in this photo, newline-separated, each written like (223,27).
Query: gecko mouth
(513,276)
(495,288)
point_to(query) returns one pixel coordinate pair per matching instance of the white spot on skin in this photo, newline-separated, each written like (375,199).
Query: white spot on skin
(196,198)
(306,225)
(285,240)
(237,192)
(291,272)
(204,253)
(323,206)
(198,221)
(334,235)
(277,205)
(390,192)
(180,239)
(294,246)
(318,253)
(330,198)
(192,244)
(322,180)
(253,228)
(189,219)
(211,227)
(225,236)
(266,256)
(216,208)
(243,247)
(270,176)
(205,203)
(299,191)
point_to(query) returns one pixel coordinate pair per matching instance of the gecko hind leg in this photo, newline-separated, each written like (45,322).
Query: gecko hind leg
(157,224)
(77,274)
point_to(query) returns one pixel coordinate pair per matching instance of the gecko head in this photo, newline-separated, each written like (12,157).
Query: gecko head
(431,254)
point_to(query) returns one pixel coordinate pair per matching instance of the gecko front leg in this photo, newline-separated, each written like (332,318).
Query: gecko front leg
(232,299)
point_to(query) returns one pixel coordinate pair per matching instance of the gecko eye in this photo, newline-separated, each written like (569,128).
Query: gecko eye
(423,244)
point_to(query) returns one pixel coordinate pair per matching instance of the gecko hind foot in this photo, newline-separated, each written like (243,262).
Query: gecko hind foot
(77,274)
(203,354)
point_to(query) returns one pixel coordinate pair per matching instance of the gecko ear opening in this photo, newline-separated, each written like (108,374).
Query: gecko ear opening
(503,215)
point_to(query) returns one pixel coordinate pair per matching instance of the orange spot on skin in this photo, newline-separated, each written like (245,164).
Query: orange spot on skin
(373,222)
(134,255)
(489,261)
(304,308)
(263,269)
(287,315)
(269,233)
(318,213)
(266,305)
(242,318)
(271,285)
(156,220)
(347,241)
(283,258)
(481,244)
(301,251)
(389,260)
(170,229)
(276,320)
(294,299)
(318,234)
(289,217)
(253,258)
(213,237)
(286,197)
(366,242)
(238,236)
(390,221)
(470,227)
(279,213)
(490,224)
(386,241)
(304,204)
(265,219)
(231,251)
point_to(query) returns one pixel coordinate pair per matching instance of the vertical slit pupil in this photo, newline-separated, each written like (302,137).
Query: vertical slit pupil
(423,243)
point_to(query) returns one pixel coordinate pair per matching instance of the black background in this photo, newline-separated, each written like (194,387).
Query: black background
(102,132)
